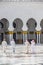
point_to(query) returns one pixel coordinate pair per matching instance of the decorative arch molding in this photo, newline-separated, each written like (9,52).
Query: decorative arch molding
(31,24)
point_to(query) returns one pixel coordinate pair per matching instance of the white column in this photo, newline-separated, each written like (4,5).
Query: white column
(23,38)
(37,38)
(11,37)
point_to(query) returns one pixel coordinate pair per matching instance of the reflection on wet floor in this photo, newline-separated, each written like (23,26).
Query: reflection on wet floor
(33,59)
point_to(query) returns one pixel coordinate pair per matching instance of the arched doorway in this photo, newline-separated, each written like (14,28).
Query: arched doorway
(31,24)
(41,35)
(4,25)
(18,36)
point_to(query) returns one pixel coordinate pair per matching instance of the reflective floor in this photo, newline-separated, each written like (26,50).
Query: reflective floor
(22,59)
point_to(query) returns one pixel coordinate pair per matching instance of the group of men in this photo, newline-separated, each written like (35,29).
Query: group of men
(27,44)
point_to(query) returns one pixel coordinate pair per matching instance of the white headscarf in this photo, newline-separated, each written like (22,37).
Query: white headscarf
(32,42)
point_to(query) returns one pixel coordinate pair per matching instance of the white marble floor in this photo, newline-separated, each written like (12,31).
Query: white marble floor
(21,58)
(24,59)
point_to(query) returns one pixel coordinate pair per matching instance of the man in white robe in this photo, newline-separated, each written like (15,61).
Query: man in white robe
(27,46)
(4,45)
(33,46)
(12,43)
